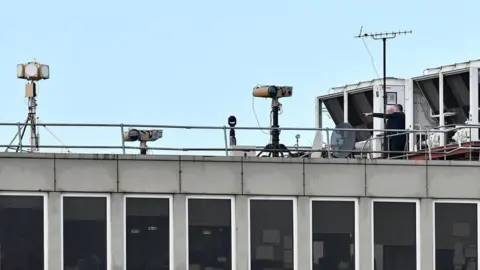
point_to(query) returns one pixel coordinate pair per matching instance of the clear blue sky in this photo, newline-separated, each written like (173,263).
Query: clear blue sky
(195,62)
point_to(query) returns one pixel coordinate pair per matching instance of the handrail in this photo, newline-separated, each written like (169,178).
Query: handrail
(19,126)
(222,127)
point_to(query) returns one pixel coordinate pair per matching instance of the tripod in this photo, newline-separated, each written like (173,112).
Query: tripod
(275,148)
(31,93)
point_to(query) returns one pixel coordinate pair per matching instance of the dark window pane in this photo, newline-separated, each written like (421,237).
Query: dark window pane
(455,236)
(21,232)
(271,234)
(148,233)
(395,236)
(333,235)
(209,234)
(85,232)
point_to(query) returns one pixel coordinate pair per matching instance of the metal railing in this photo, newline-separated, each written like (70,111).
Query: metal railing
(19,146)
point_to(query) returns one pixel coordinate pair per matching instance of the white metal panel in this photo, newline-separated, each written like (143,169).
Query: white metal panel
(317,145)
(474,102)
(364,85)
(441,105)
(453,67)
(345,107)
(377,122)
(318,113)
(409,112)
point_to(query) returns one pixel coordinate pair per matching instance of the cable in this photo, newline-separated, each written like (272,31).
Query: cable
(54,136)
(256,117)
(372,60)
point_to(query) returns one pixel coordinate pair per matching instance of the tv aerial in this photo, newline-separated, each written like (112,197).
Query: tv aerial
(342,142)
(275,148)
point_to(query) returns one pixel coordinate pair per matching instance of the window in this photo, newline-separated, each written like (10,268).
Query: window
(210,233)
(272,237)
(395,235)
(85,232)
(333,235)
(22,232)
(148,233)
(455,235)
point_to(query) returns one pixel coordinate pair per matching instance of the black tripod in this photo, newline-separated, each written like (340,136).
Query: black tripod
(275,148)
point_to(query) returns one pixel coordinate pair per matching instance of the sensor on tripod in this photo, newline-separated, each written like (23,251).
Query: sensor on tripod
(143,136)
(275,148)
(272,91)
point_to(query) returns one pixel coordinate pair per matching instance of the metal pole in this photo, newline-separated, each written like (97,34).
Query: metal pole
(19,134)
(32,113)
(225,139)
(122,130)
(275,132)
(383,36)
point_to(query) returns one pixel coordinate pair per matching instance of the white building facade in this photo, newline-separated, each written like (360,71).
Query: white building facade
(118,212)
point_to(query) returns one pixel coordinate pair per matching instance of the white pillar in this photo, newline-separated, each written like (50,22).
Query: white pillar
(427,235)
(365,225)
(318,113)
(180,259)
(54,231)
(304,233)
(377,122)
(345,106)
(117,217)
(242,237)
(409,113)
(441,106)
(474,102)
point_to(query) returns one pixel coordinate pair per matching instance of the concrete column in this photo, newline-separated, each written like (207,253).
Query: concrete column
(304,241)
(180,259)
(241,220)
(117,224)
(54,229)
(426,234)
(365,246)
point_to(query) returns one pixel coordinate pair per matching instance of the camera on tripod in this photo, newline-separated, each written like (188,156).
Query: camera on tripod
(275,92)
(272,91)
(133,135)
(143,136)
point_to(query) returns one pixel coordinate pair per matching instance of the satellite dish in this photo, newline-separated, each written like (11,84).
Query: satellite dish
(342,142)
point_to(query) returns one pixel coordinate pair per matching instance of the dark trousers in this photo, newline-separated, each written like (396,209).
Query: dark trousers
(395,145)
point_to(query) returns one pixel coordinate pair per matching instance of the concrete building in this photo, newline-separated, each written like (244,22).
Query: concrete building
(67,211)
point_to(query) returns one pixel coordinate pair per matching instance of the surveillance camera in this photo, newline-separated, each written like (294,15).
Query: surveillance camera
(272,91)
(142,135)
(131,135)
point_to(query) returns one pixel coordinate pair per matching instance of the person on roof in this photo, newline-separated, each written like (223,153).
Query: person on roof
(396,140)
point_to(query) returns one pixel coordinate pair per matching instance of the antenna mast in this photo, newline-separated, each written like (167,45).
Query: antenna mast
(32,72)
(32,115)
(383,36)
